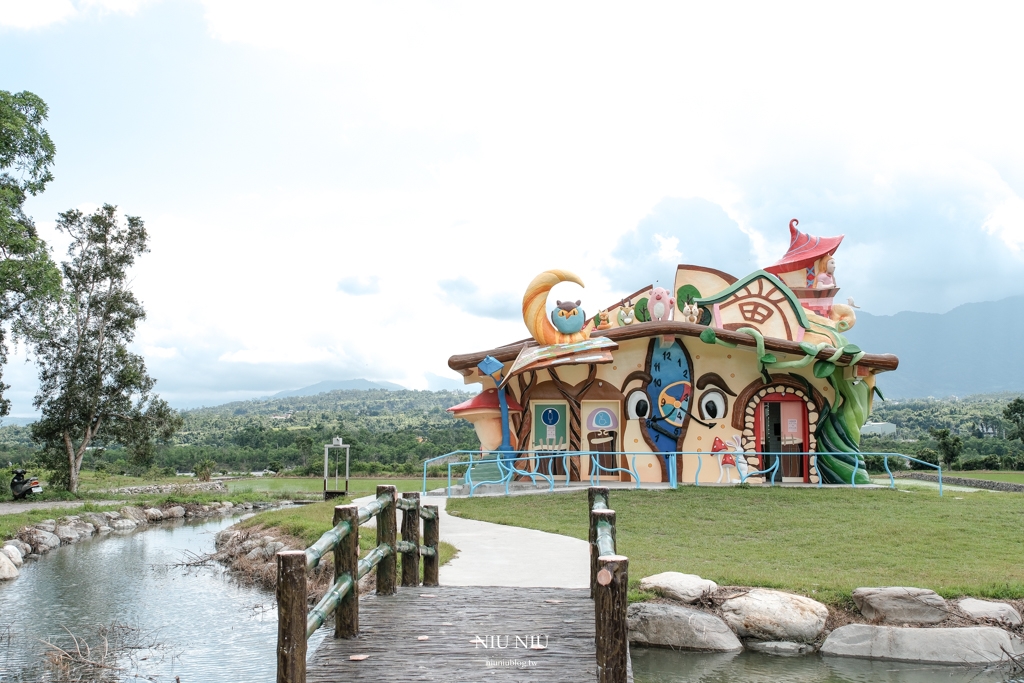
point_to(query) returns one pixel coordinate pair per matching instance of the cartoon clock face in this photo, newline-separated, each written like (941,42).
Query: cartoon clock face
(668,394)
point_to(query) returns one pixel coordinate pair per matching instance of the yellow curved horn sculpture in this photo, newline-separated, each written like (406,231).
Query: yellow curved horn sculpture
(535,314)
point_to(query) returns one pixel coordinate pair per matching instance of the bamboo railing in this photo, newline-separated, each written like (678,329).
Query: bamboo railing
(609,584)
(295,625)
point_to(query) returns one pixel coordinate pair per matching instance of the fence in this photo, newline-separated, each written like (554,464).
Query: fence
(609,584)
(295,625)
(509,469)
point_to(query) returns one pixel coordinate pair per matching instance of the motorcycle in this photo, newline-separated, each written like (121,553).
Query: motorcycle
(22,486)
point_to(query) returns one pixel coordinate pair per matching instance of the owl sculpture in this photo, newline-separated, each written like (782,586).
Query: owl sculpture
(660,304)
(568,317)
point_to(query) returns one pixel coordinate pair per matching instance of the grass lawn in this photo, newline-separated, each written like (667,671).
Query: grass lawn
(357,487)
(309,522)
(1009,477)
(819,542)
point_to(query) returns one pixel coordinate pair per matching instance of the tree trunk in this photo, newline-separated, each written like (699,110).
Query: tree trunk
(72,470)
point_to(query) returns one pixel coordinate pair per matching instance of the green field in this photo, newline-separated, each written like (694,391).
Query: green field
(819,542)
(1009,477)
(357,487)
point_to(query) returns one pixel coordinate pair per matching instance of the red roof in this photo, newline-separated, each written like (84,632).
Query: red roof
(486,399)
(804,250)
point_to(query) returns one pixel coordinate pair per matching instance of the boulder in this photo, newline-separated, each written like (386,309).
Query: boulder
(111,515)
(782,648)
(686,588)
(47,525)
(123,524)
(273,548)
(900,605)
(675,626)
(972,645)
(85,529)
(96,519)
(137,515)
(227,504)
(7,569)
(67,534)
(154,514)
(225,537)
(175,512)
(773,615)
(13,554)
(42,541)
(985,609)
(23,547)
(104,529)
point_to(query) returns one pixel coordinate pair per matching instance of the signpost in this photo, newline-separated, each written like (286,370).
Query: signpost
(336,493)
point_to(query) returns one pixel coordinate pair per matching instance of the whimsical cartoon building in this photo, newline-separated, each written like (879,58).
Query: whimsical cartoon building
(704,383)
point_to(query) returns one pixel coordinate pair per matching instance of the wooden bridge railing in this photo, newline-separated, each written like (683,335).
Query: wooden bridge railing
(609,586)
(295,625)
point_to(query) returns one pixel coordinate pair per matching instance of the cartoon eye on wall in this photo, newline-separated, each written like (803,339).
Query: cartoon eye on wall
(713,405)
(638,405)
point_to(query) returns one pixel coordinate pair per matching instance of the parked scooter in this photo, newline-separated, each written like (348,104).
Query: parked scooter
(21,486)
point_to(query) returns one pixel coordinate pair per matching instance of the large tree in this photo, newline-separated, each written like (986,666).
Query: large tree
(1014,414)
(27,273)
(93,390)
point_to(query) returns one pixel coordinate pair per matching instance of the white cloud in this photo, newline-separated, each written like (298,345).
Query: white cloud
(30,14)
(1007,222)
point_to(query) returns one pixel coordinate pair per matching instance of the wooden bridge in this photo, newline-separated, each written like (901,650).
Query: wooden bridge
(433,633)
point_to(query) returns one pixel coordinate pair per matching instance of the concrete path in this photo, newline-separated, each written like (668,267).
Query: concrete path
(499,555)
(24,506)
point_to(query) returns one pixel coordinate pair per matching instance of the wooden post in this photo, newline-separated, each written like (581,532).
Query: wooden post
(291,616)
(595,552)
(411,534)
(346,561)
(431,539)
(387,531)
(592,493)
(610,630)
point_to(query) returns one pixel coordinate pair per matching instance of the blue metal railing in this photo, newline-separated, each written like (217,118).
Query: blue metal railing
(509,470)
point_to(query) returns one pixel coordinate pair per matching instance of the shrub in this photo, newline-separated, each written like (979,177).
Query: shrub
(926,454)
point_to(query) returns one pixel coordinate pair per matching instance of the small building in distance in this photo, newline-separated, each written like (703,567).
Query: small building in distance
(879,428)
(716,379)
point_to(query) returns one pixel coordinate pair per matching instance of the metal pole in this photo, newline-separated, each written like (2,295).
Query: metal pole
(346,469)
(325,471)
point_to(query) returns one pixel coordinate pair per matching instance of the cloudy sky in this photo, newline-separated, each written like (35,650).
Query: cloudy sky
(339,190)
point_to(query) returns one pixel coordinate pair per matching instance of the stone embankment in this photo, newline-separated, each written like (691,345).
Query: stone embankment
(250,552)
(902,623)
(963,481)
(190,487)
(34,541)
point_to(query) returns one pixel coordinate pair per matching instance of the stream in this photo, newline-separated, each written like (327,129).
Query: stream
(194,623)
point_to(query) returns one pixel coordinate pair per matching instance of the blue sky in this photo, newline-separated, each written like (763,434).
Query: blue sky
(340,191)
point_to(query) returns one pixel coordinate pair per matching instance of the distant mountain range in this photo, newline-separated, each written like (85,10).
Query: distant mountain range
(972,349)
(337,385)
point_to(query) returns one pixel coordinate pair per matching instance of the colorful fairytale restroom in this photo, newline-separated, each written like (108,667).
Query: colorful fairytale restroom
(716,380)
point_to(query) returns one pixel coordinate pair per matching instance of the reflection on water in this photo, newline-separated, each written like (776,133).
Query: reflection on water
(210,627)
(655,665)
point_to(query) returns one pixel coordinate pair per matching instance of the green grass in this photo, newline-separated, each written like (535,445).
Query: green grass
(1009,477)
(308,522)
(357,487)
(819,542)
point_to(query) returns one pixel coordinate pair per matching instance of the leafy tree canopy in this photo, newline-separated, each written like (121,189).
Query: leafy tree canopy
(93,390)
(26,155)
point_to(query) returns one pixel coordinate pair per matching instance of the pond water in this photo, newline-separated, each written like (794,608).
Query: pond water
(205,626)
(653,665)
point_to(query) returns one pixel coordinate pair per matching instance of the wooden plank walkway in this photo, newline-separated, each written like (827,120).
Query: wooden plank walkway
(471,636)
